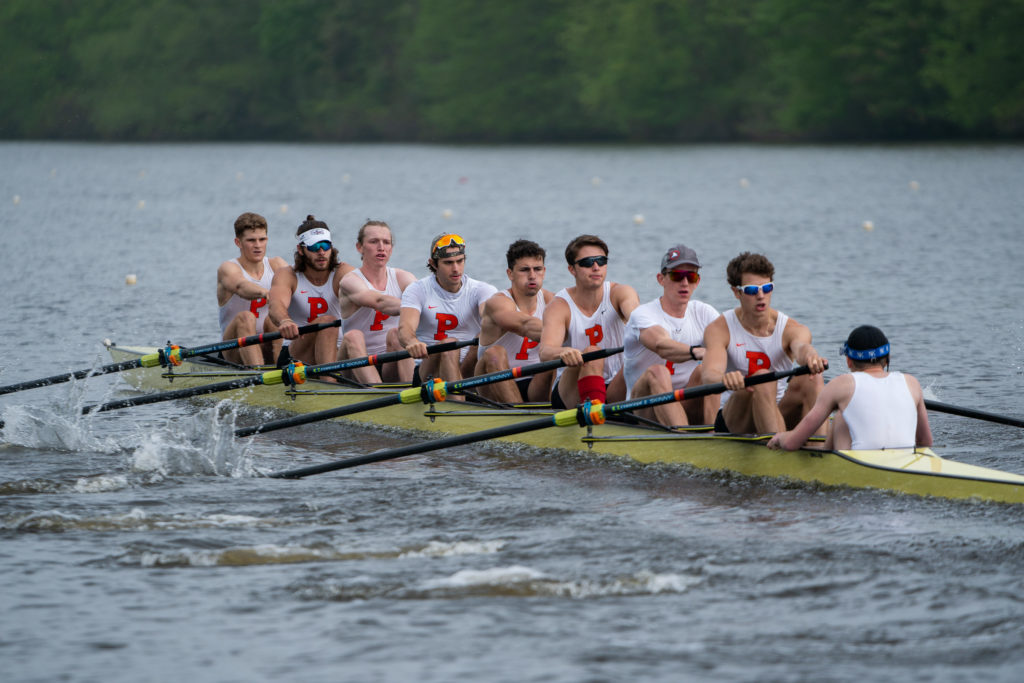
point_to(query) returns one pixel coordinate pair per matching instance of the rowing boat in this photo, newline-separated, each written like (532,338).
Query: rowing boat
(916,471)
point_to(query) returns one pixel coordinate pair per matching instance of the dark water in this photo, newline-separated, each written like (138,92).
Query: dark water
(138,545)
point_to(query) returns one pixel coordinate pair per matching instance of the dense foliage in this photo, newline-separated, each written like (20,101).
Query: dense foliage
(511,70)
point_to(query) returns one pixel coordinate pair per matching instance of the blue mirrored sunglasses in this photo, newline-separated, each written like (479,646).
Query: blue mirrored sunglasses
(752,290)
(589,261)
(322,245)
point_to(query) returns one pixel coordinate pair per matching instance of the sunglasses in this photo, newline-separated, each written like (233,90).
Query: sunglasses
(446,241)
(589,261)
(691,276)
(322,245)
(752,290)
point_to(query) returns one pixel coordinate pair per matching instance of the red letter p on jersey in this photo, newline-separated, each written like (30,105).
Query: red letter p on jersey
(445,322)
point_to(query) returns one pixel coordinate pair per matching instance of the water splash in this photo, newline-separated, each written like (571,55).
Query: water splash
(202,443)
(57,426)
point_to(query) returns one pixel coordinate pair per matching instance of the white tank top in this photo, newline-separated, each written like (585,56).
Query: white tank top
(237,304)
(748,353)
(881,413)
(603,329)
(688,330)
(447,314)
(521,350)
(310,301)
(374,324)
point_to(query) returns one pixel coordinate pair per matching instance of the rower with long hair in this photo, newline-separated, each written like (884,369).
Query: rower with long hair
(308,293)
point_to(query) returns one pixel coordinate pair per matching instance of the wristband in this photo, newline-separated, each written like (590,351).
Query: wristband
(695,346)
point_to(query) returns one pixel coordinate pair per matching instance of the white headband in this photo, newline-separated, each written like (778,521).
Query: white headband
(311,237)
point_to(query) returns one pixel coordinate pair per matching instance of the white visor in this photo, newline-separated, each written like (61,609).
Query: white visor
(311,237)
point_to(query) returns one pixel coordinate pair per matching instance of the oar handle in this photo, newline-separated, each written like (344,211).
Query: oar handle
(523,371)
(252,340)
(389,357)
(686,394)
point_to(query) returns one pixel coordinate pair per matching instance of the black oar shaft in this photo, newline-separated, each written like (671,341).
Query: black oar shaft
(523,371)
(977,414)
(413,449)
(67,377)
(383,401)
(188,392)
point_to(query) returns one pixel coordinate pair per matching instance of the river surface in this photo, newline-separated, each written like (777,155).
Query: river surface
(141,545)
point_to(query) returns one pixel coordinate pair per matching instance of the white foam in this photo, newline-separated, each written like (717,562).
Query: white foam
(438,549)
(101,484)
(489,577)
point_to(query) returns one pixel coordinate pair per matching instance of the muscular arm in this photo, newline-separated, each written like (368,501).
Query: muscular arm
(503,312)
(408,320)
(923,435)
(836,393)
(716,344)
(281,289)
(624,299)
(657,339)
(232,280)
(796,339)
(555,330)
(354,293)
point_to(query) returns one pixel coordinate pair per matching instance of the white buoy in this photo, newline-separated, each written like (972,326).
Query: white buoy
(638,218)
(284,208)
(239,175)
(345,178)
(744,183)
(107,342)
(142,204)
(595,181)
(130,279)
(17,199)
(142,173)
(868,225)
(447,213)
(914,185)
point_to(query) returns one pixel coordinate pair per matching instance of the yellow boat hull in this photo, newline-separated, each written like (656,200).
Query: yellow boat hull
(913,471)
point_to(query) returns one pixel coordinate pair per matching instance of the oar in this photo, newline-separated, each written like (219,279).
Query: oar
(582,415)
(427,393)
(296,373)
(977,414)
(171,354)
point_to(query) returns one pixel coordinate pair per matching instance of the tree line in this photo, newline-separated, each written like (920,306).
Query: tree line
(511,70)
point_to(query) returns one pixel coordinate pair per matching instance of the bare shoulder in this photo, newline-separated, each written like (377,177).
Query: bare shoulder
(404,277)
(556,309)
(718,330)
(548,296)
(622,292)
(284,275)
(796,331)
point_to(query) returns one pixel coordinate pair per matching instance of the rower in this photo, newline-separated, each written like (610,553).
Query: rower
(371,298)
(307,293)
(590,315)
(444,306)
(876,408)
(664,343)
(755,338)
(243,287)
(511,326)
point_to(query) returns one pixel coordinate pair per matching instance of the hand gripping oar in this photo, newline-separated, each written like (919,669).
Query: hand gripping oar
(429,392)
(169,355)
(294,373)
(583,415)
(977,414)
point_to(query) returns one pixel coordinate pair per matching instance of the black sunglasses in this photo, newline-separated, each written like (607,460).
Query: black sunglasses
(589,261)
